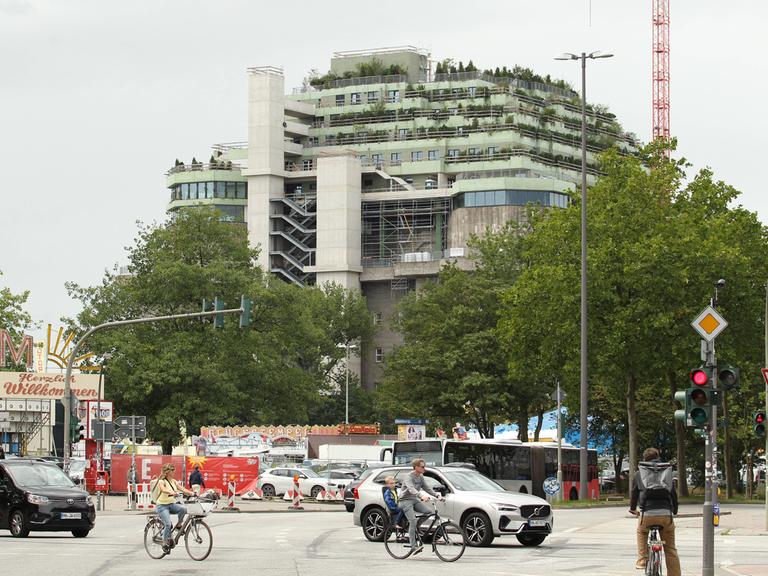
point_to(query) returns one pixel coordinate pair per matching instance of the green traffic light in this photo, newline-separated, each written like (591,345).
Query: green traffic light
(699,416)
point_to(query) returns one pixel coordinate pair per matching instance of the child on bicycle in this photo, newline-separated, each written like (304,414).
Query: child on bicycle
(390,498)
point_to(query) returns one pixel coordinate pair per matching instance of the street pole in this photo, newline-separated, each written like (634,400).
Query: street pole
(765,470)
(76,347)
(133,463)
(710,476)
(346,395)
(583,381)
(559,445)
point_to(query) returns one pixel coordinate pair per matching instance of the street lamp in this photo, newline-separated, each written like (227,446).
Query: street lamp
(348,347)
(583,377)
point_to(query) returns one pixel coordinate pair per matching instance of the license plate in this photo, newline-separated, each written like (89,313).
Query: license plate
(71,516)
(537,522)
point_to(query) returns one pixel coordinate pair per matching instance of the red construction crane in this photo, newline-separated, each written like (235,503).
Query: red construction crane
(660,51)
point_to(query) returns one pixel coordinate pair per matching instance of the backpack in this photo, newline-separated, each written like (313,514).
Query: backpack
(655,481)
(154,490)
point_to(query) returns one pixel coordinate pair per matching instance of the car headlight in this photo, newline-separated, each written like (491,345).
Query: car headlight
(89,500)
(505,507)
(35,499)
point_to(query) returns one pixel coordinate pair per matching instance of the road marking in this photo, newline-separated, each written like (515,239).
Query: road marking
(571,529)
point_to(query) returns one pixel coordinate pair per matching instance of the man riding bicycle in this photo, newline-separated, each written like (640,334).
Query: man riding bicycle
(166,503)
(413,493)
(655,495)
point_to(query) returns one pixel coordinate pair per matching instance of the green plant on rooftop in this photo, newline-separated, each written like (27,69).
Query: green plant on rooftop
(372,67)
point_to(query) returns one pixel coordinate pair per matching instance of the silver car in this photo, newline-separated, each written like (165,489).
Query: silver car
(482,508)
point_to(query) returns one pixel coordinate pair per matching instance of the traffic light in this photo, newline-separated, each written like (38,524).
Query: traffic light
(76,429)
(245,316)
(727,377)
(218,320)
(697,400)
(758,424)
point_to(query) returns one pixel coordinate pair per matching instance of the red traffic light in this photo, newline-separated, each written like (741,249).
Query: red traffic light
(760,418)
(699,377)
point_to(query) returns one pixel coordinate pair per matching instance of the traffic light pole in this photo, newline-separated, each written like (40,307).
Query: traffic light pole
(73,355)
(765,471)
(710,475)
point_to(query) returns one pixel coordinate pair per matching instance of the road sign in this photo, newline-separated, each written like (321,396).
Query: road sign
(765,375)
(131,426)
(551,486)
(102,431)
(709,323)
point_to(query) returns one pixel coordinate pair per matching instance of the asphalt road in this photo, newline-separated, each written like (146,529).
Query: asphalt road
(595,542)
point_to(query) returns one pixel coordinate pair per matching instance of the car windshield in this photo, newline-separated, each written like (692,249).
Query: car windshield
(471,480)
(41,475)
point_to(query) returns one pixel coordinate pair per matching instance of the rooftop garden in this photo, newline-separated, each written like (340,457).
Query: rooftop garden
(448,66)
(373,67)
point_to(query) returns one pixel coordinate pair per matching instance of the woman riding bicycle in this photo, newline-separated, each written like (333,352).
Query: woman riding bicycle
(166,503)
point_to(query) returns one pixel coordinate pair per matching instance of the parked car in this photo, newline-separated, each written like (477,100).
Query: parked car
(77,471)
(483,508)
(38,496)
(349,490)
(277,481)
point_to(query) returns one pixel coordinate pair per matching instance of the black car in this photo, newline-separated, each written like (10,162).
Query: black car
(37,496)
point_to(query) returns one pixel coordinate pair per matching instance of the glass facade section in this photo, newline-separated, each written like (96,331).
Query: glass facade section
(210,191)
(510,198)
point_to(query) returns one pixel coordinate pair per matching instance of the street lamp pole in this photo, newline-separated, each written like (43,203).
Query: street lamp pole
(583,381)
(346,388)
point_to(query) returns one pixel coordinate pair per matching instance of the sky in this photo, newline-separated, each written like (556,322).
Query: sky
(99,97)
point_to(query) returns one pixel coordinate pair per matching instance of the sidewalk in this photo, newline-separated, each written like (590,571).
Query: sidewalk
(115,505)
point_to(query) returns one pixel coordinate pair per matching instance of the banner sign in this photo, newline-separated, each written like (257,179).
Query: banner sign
(411,431)
(295,431)
(217,471)
(32,385)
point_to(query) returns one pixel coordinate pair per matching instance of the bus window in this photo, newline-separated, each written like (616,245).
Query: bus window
(430,450)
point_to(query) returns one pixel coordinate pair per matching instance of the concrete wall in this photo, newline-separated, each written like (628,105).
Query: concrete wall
(415,63)
(380,298)
(266,156)
(464,222)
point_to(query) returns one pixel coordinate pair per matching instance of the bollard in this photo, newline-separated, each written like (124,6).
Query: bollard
(231,490)
(296,504)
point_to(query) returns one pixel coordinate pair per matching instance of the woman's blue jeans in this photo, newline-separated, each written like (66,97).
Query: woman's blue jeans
(165,511)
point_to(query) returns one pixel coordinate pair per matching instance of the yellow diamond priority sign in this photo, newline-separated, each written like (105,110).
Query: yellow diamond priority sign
(709,324)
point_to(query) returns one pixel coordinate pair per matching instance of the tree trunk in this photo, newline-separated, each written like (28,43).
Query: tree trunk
(632,424)
(539,424)
(522,424)
(727,449)
(682,468)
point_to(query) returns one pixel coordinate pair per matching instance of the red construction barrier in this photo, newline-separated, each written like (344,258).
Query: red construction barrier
(217,471)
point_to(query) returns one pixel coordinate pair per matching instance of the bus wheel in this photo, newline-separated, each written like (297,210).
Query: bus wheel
(477,529)
(574,494)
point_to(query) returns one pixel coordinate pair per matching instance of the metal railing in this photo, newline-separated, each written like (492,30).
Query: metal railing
(199,167)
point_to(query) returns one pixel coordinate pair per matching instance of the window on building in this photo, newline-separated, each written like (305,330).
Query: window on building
(376,158)
(471,90)
(340,99)
(473,151)
(402,133)
(330,139)
(313,141)
(395,157)
(377,318)
(379,355)
(393,95)
(221,190)
(363,159)
(417,156)
(373,97)
(433,155)
(453,152)
(185,191)
(242,190)
(306,165)
(356,98)
(231,190)
(493,150)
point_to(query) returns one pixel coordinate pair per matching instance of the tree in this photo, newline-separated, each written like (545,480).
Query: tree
(185,369)
(14,319)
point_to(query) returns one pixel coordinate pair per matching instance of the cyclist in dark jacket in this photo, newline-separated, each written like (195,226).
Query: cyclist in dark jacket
(654,494)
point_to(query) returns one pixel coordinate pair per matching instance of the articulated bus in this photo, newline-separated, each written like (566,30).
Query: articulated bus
(518,466)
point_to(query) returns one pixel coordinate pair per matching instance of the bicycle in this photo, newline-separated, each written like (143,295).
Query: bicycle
(447,537)
(198,539)
(655,548)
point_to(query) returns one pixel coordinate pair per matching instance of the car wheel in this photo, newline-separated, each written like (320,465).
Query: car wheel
(18,524)
(477,528)
(531,539)
(315,491)
(373,522)
(80,532)
(268,491)
(349,507)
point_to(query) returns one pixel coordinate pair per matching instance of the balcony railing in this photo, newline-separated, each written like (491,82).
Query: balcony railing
(199,167)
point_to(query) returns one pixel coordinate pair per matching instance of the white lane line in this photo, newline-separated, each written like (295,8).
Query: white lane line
(571,529)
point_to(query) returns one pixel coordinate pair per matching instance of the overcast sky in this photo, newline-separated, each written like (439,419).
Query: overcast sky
(98,97)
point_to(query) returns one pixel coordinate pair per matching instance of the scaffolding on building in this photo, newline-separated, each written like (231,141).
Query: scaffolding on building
(20,421)
(405,230)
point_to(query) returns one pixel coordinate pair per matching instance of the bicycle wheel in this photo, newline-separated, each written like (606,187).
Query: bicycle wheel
(396,543)
(153,539)
(198,540)
(449,542)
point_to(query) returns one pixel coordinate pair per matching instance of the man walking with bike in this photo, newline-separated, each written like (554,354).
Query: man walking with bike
(413,493)
(654,494)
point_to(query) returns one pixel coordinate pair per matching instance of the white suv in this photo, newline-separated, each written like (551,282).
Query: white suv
(277,481)
(483,508)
